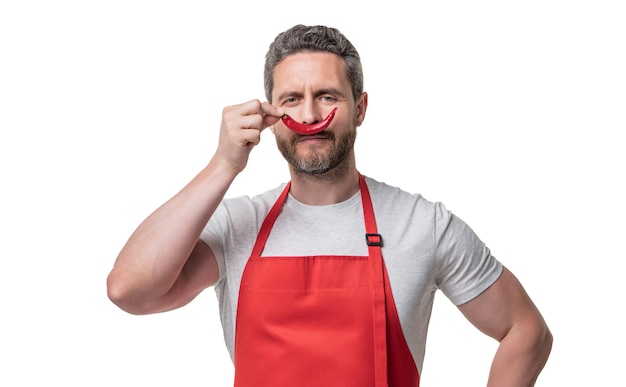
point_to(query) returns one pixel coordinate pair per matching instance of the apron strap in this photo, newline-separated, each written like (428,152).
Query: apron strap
(268,223)
(374,243)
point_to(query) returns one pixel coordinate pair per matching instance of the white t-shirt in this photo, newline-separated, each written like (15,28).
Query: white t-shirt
(425,248)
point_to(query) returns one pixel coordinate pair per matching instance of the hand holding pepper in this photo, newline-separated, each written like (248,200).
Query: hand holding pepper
(241,130)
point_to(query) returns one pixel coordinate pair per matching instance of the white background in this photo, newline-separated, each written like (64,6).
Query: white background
(511,113)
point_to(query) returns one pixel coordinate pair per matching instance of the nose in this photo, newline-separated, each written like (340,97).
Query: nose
(310,112)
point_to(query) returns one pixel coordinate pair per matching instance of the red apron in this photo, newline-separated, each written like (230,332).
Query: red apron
(320,321)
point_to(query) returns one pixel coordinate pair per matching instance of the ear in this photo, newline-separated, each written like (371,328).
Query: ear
(361,108)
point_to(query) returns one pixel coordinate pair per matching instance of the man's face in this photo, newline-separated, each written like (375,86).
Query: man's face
(308,86)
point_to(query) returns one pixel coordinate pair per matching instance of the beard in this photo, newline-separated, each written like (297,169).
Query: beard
(318,160)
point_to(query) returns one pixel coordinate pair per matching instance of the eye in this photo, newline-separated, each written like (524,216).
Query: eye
(328,98)
(291,101)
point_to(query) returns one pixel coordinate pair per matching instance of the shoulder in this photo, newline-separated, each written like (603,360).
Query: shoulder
(387,197)
(244,205)
(406,218)
(238,216)
(412,212)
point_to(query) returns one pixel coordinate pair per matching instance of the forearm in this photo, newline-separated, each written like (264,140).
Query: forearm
(521,356)
(151,260)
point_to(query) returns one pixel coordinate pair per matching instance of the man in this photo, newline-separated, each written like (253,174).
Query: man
(328,280)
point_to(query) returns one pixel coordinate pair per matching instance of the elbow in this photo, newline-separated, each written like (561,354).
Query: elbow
(116,292)
(540,350)
(544,343)
(538,343)
(542,338)
(122,295)
(531,340)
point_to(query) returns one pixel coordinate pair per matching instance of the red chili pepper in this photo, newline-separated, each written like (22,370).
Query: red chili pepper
(305,129)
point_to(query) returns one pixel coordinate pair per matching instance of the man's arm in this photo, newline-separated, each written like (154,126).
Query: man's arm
(163,265)
(505,312)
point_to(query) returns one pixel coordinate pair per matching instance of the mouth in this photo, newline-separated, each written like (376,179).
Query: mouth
(313,137)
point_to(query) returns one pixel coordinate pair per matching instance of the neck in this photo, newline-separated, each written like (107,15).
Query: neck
(334,186)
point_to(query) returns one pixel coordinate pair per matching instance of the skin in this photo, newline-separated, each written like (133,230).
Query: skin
(164,266)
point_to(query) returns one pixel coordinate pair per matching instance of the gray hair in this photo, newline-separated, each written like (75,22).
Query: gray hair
(313,39)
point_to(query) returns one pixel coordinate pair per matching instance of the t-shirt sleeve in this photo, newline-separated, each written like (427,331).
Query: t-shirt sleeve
(465,266)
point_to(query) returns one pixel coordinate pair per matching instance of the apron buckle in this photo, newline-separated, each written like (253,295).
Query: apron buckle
(374,239)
